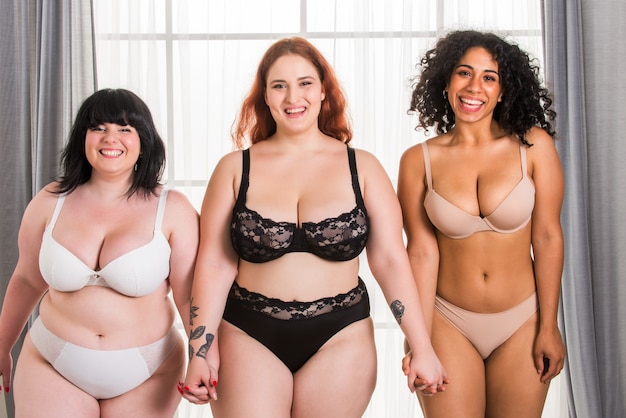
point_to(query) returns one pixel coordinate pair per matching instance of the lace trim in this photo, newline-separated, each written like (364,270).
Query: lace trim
(280,309)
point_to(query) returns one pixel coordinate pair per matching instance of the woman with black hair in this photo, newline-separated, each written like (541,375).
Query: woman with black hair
(103,245)
(481,204)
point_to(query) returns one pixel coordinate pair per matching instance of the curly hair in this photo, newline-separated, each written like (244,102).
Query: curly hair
(255,122)
(525,102)
(124,108)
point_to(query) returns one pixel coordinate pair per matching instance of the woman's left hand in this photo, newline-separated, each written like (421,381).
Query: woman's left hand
(425,375)
(549,354)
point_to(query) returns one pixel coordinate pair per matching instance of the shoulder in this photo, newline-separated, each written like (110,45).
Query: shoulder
(177,199)
(232,161)
(46,198)
(366,161)
(413,157)
(537,135)
(413,153)
(179,212)
(542,143)
(542,155)
(364,156)
(39,210)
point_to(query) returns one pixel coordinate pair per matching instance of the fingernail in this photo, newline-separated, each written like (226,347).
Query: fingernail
(186,388)
(214,383)
(179,390)
(6,389)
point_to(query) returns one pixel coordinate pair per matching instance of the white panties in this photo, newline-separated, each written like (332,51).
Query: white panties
(102,374)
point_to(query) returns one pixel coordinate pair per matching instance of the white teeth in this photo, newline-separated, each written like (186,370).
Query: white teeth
(111,153)
(472,102)
(295,110)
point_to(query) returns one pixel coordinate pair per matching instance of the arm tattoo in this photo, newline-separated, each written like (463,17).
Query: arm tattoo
(205,348)
(397,308)
(198,333)
(192,313)
(194,335)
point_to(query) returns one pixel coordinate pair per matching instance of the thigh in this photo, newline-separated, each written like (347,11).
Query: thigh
(157,396)
(512,381)
(39,387)
(338,381)
(464,397)
(252,381)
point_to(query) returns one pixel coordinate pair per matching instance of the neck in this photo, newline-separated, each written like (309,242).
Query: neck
(108,189)
(477,133)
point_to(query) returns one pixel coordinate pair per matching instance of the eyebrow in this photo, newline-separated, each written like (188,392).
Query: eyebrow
(472,68)
(304,77)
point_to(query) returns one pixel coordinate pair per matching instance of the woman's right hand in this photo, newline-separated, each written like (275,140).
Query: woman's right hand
(200,385)
(430,375)
(6,367)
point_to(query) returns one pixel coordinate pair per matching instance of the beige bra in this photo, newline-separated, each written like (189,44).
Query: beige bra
(511,215)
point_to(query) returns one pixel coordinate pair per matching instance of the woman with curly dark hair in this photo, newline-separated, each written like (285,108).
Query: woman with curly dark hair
(481,204)
(281,319)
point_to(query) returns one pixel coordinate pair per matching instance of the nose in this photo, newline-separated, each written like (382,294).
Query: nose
(291,95)
(474,85)
(110,134)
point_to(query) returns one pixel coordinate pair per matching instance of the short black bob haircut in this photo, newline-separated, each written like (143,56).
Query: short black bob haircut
(121,107)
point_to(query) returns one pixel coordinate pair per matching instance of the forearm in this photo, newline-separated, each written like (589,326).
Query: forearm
(402,297)
(208,298)
(19,302)
(548,266)
(425,269)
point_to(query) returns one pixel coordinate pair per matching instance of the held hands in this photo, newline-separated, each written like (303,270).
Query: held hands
(200,385)
(424,373)
(549,354)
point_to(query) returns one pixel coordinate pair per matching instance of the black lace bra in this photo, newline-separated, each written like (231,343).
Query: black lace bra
(258,240)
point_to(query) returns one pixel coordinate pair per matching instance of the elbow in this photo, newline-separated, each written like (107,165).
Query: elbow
(423,254)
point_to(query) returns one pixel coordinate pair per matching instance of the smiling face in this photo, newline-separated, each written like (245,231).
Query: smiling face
(294,94)
(112,148)
(474,89)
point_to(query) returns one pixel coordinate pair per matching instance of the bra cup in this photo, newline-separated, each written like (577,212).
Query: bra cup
(144,273)
(515,211)
(449,219)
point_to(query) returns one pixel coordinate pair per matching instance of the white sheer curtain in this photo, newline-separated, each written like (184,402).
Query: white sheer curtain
(193,61)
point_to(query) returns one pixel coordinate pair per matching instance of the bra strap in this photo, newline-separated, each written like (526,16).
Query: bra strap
(245,176)
(355,177)
(522,151)
(429,178)
(160,209)
(57,210)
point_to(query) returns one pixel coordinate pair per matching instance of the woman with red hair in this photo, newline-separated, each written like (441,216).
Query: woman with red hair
(278,308)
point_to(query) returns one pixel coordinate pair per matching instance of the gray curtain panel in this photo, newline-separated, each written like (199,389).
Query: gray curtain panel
(585,54)
(46,70)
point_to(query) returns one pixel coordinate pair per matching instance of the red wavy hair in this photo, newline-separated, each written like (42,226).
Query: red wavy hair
(255,122)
